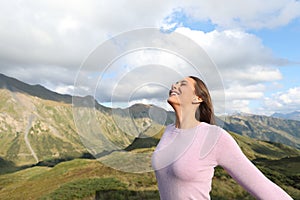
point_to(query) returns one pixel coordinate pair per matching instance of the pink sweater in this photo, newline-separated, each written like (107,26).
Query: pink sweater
(184,162)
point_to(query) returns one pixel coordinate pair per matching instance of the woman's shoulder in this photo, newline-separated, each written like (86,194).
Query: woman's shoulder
(212,128)
(219,135)
(170,125)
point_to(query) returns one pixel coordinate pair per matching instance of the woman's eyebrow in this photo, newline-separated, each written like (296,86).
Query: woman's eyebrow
(183,81)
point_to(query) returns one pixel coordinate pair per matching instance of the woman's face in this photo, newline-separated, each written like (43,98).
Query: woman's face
(182,92)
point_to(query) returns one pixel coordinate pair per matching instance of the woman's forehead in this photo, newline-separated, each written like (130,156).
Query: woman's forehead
(187,80)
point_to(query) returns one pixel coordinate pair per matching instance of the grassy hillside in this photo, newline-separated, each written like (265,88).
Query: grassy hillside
(265,128)
(89,176)
(85,178)
(34,129)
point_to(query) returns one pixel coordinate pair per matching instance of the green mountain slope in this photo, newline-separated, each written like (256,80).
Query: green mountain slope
(83,177)
(34,129)
(265,128)
(37,124)
(38,133)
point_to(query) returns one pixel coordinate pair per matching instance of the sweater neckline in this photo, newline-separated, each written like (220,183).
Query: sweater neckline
(185,130)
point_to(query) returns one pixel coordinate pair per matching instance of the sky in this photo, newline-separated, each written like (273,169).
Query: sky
(254,45)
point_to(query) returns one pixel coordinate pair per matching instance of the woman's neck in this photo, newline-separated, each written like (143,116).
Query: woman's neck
(185,118)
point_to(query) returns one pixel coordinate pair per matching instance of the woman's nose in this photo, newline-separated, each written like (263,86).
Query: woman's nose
(174,86)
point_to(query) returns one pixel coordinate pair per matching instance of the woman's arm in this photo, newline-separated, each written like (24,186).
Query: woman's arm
(232,159)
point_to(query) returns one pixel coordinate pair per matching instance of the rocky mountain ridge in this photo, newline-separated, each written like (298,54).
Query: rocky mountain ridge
(37,124)
(292,115)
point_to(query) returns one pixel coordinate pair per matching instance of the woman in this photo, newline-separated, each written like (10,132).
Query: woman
(188,151)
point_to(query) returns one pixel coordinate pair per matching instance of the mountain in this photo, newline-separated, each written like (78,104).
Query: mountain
(292,115)
(254,126)
(40,139)
(265,128)
(37,124)
(35,127)
(14,85)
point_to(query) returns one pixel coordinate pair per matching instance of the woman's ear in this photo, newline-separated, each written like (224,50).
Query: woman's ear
(197,100)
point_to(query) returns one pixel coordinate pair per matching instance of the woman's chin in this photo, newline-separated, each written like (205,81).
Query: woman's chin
(173,101)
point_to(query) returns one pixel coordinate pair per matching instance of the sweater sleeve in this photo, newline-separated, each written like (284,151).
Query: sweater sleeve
(240,168)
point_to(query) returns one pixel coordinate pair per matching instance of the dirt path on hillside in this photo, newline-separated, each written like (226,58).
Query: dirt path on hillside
(29,125)
(28,116)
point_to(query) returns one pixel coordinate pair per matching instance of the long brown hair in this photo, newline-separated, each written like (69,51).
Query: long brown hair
(205,111)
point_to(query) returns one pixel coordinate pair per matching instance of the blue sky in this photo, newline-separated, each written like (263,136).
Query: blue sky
(284,42)
(254,43)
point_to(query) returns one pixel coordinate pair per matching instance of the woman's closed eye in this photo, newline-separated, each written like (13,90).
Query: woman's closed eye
(183,83)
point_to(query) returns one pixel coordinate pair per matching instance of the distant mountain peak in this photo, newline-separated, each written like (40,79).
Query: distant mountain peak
(295,115)
(241,114)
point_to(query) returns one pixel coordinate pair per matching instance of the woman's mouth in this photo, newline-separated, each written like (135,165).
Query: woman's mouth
(173,93)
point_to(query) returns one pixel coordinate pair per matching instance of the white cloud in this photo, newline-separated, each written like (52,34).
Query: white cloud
(238,106)
(284,102)
(48,76)
(64,34)
(159,103)
(240,92)
(244,63)
(68,25)
(45,42)
(64,89)
(49,32)
(232,48)
(252,75)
